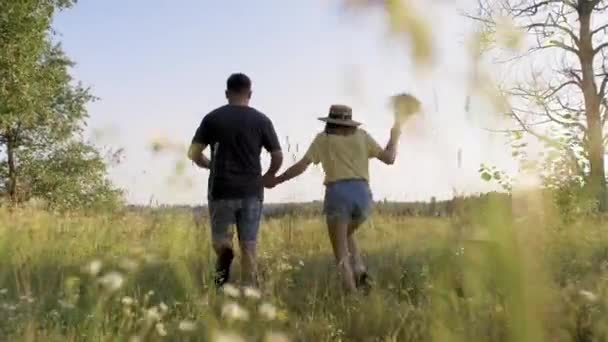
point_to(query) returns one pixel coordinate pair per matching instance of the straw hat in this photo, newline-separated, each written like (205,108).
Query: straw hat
(340,115)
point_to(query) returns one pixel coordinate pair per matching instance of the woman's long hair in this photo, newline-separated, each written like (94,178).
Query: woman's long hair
(337,129)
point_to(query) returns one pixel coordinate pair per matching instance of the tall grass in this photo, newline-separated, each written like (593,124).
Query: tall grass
(146,276)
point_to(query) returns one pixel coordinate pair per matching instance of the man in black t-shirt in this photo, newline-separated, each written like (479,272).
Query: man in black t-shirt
(236,134)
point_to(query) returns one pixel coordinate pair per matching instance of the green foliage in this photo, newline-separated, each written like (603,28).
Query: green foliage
(70,175)
(492,173)
(42,112)
(116,277)
(563,110)
(565,183)
(32,70)
(562,171)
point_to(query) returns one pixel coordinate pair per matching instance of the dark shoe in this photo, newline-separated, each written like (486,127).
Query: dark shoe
(364,282)
(222,267)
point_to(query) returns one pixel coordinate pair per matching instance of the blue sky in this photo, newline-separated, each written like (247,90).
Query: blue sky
(158,66)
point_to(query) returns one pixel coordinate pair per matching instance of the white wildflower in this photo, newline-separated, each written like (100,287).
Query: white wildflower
(231,291)
(65,304)
(126,300)
(163,307)
(588,295)
(187,326)
(160,329)
(252,293)
(3,291)
(129,265)
(275,337)
(112,281)
(284,266)
(268,311)
(153,315)
(233,311)
(94,267)
(301,263)
(9,307)
(227,337)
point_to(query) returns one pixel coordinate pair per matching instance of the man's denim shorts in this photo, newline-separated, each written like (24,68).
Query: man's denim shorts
(348,200)
(244,213)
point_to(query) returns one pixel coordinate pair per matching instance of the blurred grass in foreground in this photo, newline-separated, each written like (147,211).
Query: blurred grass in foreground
(137,277)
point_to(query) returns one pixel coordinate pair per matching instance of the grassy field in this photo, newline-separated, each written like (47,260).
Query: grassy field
(146,277)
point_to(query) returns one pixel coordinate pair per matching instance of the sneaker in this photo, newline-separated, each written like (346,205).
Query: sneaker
(364,282)
(222,267)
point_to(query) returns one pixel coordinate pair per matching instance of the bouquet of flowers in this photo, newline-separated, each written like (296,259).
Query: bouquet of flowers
(405,106)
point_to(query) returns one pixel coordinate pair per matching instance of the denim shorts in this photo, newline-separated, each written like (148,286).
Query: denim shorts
(348,200)
(244,213)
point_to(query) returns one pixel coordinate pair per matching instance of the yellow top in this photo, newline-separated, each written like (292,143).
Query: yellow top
(343,157)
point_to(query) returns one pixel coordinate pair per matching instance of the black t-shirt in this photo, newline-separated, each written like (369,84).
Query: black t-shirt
(236,135)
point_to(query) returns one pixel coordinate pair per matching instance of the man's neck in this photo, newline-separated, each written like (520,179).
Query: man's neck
(238,103)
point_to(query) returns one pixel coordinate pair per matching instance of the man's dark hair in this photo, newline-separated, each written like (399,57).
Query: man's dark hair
(238,83)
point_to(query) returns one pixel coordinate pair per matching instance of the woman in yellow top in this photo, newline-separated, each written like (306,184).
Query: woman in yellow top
(344,151)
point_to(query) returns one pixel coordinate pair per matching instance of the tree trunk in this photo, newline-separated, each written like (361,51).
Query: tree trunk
(12,169)
(595,147)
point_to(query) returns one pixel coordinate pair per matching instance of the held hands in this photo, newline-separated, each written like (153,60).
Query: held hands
(270,181)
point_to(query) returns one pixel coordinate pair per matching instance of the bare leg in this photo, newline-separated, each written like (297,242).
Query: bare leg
(338,236)
(356,260)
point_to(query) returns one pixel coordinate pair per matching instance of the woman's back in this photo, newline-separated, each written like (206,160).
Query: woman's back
(344,156)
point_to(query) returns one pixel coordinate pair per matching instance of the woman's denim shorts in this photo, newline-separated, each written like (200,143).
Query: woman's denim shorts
(348,200)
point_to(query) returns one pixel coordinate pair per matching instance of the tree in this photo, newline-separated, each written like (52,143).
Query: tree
(42,109)
(69,175)
(563,103)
